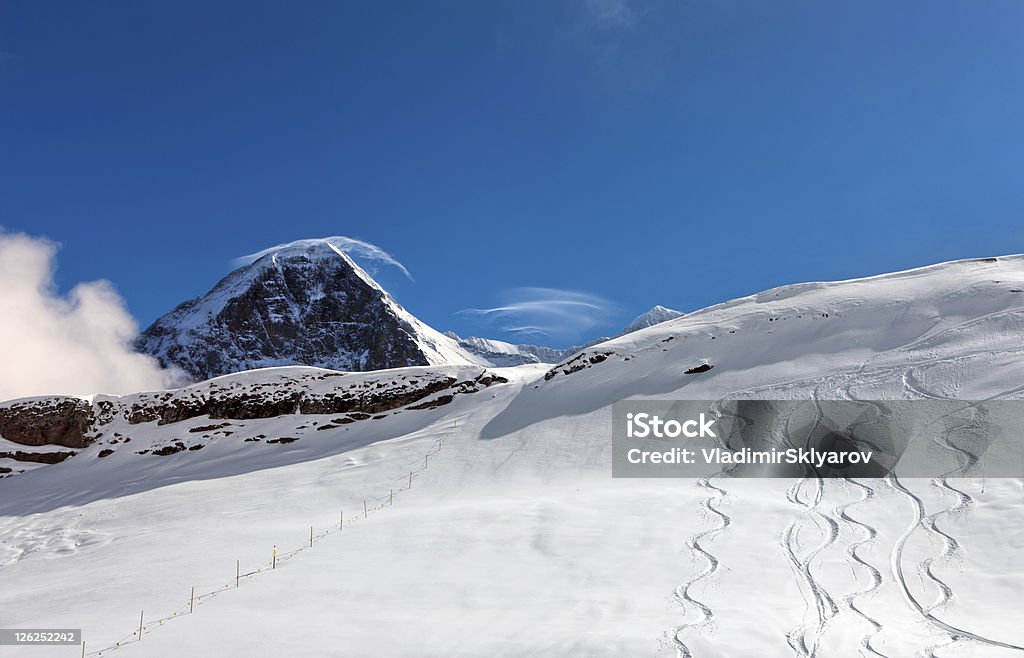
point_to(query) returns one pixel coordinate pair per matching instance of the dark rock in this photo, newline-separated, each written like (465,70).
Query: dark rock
(579,362)
(62,421)
(37,457)
(207,428)
(435,403)
(170,450)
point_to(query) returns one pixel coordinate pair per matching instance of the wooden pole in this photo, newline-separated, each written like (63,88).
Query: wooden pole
(341,520)
(238,572)
(364,508)
(410,479)
(192,600)
(426,460)
(83,648)
(311,536)
(141,616)
(391,497)
(273,565)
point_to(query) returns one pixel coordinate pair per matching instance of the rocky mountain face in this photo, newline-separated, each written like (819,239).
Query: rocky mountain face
(306,303)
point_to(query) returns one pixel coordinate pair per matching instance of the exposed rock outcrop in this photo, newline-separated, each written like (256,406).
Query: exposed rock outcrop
(62,421)
(346,397)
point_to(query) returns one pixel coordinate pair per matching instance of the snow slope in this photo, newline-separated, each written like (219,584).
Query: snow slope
(513,538)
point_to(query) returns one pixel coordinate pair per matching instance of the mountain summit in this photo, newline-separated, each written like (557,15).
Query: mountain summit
(304,303)
(656,315)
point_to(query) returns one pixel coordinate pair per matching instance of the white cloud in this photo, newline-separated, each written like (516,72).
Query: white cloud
(546,313)
(78,344)
(360,250)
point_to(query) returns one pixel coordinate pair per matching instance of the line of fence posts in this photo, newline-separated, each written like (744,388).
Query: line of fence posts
(273,563)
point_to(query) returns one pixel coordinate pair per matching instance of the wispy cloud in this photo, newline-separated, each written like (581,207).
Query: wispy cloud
(546,314)
(359,250)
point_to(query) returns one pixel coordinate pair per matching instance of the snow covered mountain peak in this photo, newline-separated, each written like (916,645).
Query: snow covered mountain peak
(656,315)
(304,303)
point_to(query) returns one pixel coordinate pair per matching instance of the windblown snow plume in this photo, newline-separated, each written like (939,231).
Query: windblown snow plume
(369,254)
(50,344)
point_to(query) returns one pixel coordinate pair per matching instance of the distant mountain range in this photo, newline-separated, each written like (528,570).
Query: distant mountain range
(308,303)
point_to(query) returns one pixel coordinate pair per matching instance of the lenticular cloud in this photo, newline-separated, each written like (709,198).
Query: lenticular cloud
(76,344)
(359,249)
(546,313)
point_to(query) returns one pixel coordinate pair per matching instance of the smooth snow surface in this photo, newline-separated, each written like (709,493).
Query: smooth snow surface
(514,540)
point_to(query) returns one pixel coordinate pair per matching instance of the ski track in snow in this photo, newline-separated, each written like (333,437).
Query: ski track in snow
(682,594)
(896,562)
(803,639)
(868,534)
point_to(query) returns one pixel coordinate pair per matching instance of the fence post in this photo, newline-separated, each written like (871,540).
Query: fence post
(238,572)
(311,536)
(391,497)
(426,459)
(142,614)
(341,520)
(364,508)
(273,564)
(192,599)
(410,479)
(83,648)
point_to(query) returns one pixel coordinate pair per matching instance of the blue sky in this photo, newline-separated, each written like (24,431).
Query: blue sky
(675,153)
